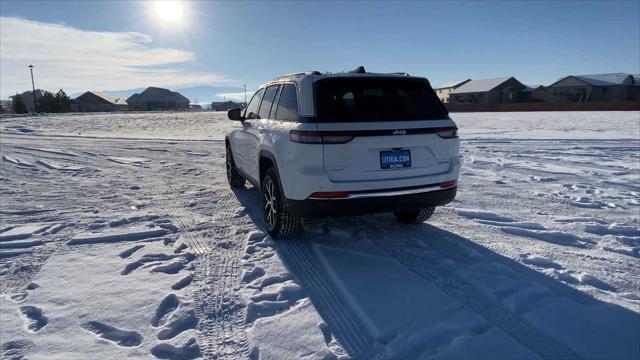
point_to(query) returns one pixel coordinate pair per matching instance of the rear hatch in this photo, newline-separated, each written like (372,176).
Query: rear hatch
(386,128)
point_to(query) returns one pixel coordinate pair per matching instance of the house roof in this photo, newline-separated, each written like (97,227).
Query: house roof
(134,97)
(532,87)
(483,85)
(599,79)
(228,102)
(452,84)
(115,100)
(157,94)
(39,93)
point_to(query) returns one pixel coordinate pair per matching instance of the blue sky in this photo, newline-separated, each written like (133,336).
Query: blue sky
(236,43)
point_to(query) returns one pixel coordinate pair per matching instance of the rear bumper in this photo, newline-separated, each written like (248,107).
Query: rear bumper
(369,205)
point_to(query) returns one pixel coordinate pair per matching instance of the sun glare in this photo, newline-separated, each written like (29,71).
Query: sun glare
(170,11)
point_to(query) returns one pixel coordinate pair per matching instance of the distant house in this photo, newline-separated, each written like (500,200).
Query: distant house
(533,93)
(27,98)
(6,107)
(93,101)
(634,93)
(444,90)
(226,105)
(488,91)
(596,87)
(157,99)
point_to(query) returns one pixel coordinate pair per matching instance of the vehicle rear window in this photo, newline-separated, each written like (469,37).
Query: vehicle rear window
(287,104)
(376,99)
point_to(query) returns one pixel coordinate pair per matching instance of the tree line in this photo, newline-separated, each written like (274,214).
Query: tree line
(47,103)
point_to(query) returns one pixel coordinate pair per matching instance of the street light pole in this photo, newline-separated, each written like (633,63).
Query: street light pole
(245,95)
(33,87)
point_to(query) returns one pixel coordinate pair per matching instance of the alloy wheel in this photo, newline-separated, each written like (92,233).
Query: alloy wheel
(270,204)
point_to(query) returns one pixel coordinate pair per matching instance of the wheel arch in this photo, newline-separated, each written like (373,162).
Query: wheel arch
(267,160)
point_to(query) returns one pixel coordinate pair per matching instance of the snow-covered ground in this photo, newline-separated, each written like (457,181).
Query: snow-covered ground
(120,237)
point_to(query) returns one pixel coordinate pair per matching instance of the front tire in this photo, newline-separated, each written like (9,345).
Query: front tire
(414,216)
(233,177)
(280,224)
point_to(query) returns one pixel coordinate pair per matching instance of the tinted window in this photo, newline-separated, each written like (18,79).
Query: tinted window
(362,99)
(288,103)
(267,101)
(254,104)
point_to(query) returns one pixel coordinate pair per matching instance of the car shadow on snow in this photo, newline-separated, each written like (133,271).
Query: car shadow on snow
(400,291)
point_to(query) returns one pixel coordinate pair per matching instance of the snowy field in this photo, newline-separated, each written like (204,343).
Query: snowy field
(120,238)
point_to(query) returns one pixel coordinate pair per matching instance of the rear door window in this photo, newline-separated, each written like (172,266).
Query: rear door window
(254,105)
(287,104)
(376,99)
(267,101)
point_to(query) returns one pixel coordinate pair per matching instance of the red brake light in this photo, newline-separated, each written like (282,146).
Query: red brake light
(447,132)
(448,184)
(305,137)
(321,137)
(329,195)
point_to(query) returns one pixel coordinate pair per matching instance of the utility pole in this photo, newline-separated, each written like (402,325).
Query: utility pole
(245,95)
(33,87)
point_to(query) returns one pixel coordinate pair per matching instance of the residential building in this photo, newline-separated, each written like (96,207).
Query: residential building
(157,99)
(6,107)
(27,98)
(92,101)
(539,93)
(533,93)
(226,105)
(444,90)
(595,87)
(488,91)
(634,93)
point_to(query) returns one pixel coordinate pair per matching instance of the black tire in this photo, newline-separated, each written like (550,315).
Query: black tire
(279,223)
(233,177)
(414,216)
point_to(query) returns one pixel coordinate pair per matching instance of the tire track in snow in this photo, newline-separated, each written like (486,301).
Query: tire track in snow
(219,308)
(464,292)
(345,324)
(186,221)
(219,247)
(217,301)
(196,242)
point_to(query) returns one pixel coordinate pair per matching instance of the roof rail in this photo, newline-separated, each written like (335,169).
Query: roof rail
(361,70)
(301,73)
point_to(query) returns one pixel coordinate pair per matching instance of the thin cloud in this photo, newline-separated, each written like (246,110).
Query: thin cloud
(77,60)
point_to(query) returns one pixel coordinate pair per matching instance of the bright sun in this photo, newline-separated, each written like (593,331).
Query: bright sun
(170,11)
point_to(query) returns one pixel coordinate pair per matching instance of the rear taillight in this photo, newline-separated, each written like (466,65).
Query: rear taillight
(321,137)
(447,132)
(448,184)
(329,195)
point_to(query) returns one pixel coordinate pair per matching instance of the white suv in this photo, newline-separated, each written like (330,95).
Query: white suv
(337,144)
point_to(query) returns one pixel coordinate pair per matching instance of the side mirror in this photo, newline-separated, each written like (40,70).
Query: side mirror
(235,114)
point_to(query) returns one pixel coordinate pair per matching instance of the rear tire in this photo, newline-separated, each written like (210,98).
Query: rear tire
(233,177)
(414,216)
(279,223)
